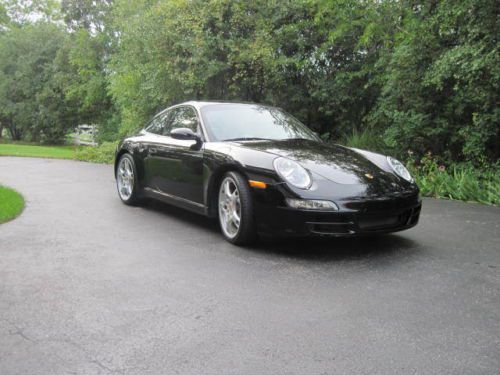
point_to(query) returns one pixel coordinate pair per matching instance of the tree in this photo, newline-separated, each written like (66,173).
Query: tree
(33,105)
(4,19)
(88,50)
(301,55)
(90,15)
(21,12)
(419,75)
(441,89)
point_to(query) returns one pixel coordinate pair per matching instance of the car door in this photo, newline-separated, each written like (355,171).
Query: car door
(179,163)
(150,144)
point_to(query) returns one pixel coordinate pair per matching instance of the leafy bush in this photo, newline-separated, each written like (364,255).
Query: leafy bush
(104,153)
(366,140)
(459,181)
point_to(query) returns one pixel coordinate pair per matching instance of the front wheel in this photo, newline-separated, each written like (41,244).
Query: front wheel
(236,209)
(126,180)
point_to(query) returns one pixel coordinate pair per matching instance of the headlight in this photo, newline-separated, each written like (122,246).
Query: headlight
(399,169)
(293,173)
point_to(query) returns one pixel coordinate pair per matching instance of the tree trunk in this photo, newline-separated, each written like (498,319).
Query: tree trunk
(15,133)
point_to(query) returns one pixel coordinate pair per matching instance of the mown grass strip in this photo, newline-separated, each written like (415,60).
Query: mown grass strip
(36,151)
(104,153)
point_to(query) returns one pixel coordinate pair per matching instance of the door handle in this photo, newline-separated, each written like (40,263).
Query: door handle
(152,150)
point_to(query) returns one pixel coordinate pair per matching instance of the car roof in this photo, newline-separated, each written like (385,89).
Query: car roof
(201,104)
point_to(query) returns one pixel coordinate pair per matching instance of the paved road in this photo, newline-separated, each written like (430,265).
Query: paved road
(91,286)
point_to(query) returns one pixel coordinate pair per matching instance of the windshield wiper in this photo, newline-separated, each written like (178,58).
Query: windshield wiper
(246,139)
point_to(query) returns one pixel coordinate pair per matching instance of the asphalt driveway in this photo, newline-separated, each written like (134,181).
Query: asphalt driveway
(91,286)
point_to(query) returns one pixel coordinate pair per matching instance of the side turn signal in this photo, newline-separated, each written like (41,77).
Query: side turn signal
(257,184)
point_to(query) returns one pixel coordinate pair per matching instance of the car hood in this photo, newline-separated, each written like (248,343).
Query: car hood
(333,162)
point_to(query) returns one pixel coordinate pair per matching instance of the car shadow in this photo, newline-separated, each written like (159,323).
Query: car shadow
(337,248)
(190,218)
(320,249)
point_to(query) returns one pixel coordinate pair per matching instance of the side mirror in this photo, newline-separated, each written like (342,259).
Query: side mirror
(186,134)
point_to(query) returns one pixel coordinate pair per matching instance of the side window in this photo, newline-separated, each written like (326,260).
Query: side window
(157,124)
(183,117)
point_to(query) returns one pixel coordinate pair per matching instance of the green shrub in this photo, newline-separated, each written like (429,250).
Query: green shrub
(460,181)
(365,140)
(104,153)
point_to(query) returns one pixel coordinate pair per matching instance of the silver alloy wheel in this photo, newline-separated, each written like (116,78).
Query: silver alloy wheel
(125,179)
(229,207)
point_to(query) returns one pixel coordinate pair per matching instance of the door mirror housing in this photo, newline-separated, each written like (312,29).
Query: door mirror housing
(186,134)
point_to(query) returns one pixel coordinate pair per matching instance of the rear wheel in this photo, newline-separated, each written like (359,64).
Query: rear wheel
(236,209)
(126,180)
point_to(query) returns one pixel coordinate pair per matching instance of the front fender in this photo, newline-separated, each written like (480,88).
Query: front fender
(131,147)
(220,158)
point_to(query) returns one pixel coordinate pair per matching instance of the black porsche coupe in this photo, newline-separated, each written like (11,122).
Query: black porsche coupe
(259,170)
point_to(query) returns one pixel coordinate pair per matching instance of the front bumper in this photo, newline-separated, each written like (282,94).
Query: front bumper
(364,217)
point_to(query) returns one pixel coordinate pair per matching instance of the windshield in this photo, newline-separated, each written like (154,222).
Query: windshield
(225,122)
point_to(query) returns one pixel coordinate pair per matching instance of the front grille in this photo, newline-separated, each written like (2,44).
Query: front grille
(372,223)
(332,228)
(332,224)
(384,204)
(405,218)
(345,225)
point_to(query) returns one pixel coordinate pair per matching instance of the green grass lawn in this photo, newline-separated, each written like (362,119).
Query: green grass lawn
(36,151)
(105,153)
(11,204)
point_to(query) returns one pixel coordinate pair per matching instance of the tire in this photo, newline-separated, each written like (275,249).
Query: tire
(237,203)
(123,179)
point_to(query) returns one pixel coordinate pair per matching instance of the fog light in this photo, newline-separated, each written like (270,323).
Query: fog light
(311,204)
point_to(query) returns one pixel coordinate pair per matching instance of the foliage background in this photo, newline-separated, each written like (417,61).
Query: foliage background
(396,76)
